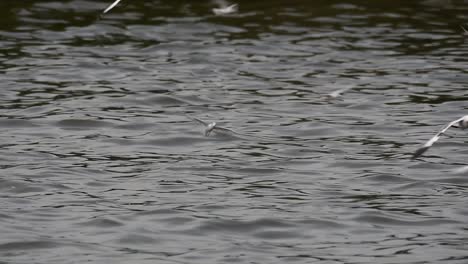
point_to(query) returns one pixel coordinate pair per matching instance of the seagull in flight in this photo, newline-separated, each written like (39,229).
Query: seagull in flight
(338,93)
(111,6)
(213,126)
(462,123)
(224,8)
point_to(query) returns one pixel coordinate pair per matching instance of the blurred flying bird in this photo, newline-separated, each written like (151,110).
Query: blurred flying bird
(209,127)
(213,127)
(224,8)
(461,123)
(339,92)
(111,6)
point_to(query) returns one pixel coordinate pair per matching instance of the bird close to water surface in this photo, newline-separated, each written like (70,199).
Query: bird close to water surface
(224,8)
(338,93)
(462,123)
(111,6)
(213,126)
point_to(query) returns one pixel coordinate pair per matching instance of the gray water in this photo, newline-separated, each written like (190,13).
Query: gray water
(101,161)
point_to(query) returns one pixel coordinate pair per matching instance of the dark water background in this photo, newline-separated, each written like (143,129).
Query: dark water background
(101,163)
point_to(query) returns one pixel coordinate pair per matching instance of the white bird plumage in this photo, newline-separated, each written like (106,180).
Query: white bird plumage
(339,92)
(213,126)
(111,6)
(462,122)
(224,8)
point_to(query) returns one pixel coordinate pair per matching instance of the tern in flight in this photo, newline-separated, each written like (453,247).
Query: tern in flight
(339,92)
(111,6)
(462,123)
(213,126)
(224,8)
(209,127)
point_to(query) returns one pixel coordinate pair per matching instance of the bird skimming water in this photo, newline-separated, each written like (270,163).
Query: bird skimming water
(338,93)
(111,6)
(461,123)
(209,127)
(224,8)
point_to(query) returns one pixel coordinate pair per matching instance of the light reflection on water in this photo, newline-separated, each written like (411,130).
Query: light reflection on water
(101,161)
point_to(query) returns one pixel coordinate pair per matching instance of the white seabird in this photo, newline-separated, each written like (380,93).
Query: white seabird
(339,92)
(209,127)
(462,123)
(213,127)
(224,8)
(111,6)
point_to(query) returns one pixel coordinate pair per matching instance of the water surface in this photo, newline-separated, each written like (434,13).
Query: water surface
(101,162)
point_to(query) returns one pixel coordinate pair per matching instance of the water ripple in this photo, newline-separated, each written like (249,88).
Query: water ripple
(101,161)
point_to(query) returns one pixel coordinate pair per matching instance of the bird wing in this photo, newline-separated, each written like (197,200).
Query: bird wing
(339,92)
(233,7)
(434,139)
(225,130)
(111,6)
(199,121)
(225,10)
(208,127)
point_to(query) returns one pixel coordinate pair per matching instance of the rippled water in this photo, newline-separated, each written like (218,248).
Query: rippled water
(102,162)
